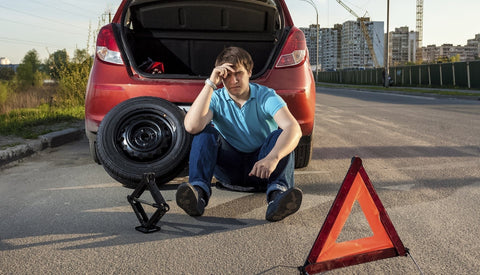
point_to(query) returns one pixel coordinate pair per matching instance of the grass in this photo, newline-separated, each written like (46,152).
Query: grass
(3,147)
(29,123)
(11,99)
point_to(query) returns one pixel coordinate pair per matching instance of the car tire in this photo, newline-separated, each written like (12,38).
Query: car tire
(303,152)
(143,135)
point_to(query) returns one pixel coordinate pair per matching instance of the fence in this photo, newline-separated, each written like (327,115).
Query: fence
(446,75)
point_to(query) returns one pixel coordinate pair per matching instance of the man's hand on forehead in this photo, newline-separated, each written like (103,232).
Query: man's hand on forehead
(225,69)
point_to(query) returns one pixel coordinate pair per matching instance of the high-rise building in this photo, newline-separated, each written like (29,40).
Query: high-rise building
(311,38)
(330,47)
(402,46)
(354,47)
(430,53)
(474,47)
(345,45)
(449,52)
(4,61)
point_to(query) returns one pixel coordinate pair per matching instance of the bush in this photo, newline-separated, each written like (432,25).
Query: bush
(72,83)
(6,73)
(3,92)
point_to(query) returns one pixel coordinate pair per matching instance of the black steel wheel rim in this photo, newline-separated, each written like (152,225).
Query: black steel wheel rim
(145,137)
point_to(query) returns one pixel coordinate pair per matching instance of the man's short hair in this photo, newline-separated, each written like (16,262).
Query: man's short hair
(235,56)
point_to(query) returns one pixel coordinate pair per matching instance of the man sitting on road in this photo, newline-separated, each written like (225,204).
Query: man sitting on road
(250,145)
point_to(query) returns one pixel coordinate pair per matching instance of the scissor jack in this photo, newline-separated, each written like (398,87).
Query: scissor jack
(148,225)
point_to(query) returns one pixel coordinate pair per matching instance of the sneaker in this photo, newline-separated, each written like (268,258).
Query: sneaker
(284,204)
(189,199)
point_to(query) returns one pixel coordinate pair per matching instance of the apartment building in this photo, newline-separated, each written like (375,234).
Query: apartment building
(344,46)
(330,47)
(469,52)
(354,48)
(430,53)
(473,48)
(4,61)
(403,45)
(311,37)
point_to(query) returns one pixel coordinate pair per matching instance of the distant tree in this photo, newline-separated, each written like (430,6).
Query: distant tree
(442,59)
(28,71)
(80,56)
(57,62)
(455,58)
(7,73)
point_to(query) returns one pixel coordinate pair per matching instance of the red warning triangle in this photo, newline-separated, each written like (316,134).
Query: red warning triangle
(327,254)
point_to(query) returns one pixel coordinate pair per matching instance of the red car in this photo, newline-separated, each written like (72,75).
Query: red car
(152,61)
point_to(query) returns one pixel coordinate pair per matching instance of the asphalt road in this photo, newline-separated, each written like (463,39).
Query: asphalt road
(61,213)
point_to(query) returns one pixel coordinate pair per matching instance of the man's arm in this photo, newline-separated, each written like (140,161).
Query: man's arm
(200,114)
(286,143)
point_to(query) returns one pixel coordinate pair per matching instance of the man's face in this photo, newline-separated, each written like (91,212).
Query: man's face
(237,82)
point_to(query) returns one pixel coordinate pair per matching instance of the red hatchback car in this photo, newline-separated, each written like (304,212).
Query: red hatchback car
(151,62)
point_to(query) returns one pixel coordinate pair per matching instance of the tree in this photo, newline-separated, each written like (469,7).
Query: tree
(6,73)
(80,56)
(455,58)
(72,80)
(28,72)
(56,63)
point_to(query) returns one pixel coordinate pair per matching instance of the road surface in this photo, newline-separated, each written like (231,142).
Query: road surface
(61,213)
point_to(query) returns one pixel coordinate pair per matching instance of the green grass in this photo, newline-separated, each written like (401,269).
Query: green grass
(32,122)
(6,146)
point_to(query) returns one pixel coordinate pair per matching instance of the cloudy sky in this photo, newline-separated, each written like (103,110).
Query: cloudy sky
(50,25)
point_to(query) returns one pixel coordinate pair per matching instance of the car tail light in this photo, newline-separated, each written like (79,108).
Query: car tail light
(294,51)
(107,48)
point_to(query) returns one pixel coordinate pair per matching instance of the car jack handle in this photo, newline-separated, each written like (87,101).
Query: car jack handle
(148,225)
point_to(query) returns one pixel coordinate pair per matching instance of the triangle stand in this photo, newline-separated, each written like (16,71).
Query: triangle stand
(327,254)
(148,224)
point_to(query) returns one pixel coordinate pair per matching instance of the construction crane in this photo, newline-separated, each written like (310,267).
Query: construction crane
(419,27)
(364,29)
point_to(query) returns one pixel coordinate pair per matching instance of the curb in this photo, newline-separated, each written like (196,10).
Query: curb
(49,140)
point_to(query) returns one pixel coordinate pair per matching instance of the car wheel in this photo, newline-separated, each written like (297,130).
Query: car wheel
(143,135)
(303,152)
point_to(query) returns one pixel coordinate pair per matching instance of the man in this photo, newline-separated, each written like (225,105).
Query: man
(250,145)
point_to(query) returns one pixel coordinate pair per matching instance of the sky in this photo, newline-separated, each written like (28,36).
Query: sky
(51,25)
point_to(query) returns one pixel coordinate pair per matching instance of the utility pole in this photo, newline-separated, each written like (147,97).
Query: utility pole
(385,80)
(317,38)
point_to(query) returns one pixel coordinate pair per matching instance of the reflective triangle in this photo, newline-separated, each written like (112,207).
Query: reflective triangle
(327,253)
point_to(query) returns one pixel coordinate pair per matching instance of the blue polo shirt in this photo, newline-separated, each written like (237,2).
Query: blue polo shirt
(246,128)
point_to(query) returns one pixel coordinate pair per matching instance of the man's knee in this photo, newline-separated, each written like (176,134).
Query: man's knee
(207,137)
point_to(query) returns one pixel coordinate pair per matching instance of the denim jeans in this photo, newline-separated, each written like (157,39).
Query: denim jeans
(211,155)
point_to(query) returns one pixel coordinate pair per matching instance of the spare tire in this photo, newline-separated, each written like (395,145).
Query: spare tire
(143,135)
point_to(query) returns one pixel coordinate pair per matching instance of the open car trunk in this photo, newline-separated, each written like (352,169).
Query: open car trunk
(183,38)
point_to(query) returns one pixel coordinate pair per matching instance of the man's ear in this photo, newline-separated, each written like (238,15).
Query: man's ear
(249,73)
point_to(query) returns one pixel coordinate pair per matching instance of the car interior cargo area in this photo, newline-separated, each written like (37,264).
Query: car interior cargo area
(184,37)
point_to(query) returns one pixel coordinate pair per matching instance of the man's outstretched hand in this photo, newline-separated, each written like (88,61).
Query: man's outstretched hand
(264,168)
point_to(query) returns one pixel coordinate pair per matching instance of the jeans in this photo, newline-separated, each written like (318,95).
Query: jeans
(211,155)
